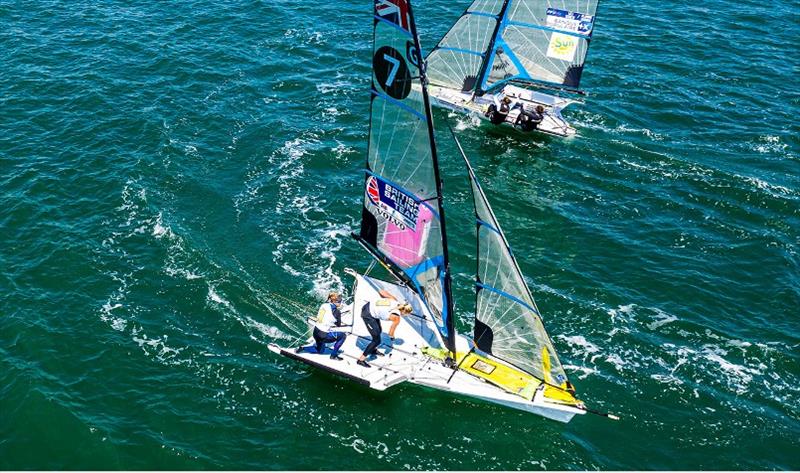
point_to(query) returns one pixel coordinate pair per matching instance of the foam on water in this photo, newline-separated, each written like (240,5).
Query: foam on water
(180,187)
(662,318)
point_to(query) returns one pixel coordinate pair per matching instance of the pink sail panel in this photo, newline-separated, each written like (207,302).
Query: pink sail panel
(405,245)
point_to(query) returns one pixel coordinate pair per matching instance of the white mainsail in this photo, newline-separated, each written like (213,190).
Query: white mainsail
(402,217)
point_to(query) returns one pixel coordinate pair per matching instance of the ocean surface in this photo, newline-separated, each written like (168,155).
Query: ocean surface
(178,185)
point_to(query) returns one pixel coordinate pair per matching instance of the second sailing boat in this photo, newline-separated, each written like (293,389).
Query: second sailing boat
(515,49)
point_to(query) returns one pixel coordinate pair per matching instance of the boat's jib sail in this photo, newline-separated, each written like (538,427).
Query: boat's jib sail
(402,219)
(507,321)
(496,41)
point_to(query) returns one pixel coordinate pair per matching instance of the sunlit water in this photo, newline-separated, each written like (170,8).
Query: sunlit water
(174,175)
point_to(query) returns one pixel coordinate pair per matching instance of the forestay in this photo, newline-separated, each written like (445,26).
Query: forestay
(507,321)
(402,218)
(496,41)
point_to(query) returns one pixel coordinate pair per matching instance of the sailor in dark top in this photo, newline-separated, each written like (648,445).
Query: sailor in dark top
(527,120)
(498,111)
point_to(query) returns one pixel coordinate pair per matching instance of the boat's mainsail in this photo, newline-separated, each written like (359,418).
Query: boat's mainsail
(496,41)
(507,321)
(402,217)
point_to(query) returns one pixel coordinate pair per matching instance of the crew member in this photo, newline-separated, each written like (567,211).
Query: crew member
(387,307)
(527,120)
(326,327)
(498,111)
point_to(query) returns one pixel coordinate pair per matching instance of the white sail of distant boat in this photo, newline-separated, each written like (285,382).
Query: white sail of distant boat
(515,49)
(509,358)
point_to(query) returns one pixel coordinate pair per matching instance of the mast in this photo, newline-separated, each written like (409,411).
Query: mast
(450,318)
(401,226)
(488,56)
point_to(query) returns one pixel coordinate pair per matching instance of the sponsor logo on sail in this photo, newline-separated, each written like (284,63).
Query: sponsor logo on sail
(564,20)
(562,46)
(392,203)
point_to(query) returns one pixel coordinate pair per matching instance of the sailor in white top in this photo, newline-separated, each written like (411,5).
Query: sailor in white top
(327,327)
(387,307)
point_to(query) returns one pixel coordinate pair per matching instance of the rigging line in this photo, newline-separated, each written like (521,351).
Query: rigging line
(601,414)
(370,267)
(294,304)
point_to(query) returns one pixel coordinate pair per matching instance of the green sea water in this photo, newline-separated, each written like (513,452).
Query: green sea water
(173,173)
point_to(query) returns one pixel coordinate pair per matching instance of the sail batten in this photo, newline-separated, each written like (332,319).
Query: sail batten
(401,225)
(508,296)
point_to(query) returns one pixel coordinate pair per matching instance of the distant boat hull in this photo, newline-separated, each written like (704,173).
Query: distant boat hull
(406,362)
(463,102)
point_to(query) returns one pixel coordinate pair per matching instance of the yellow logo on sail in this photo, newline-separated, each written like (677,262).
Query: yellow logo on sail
(562,47)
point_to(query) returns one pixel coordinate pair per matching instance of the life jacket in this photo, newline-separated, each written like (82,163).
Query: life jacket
(383,307)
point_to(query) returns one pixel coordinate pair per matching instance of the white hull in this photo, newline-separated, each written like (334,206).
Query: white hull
(463,102)
(406,362)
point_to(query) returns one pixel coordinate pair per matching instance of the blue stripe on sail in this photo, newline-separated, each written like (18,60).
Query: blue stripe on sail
(545,28)
(480,13)
(393,25)
(399,104)
(514,59)
(489,226)
(459,50)
(523,73)
(508,296)
(436,261)
(406,192)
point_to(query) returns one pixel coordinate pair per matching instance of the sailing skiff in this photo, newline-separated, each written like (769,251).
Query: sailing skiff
(520,49)
(508,359)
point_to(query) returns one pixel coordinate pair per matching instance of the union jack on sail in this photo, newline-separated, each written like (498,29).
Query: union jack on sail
(394,11)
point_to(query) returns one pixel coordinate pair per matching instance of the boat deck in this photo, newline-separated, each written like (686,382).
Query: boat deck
(404,361)
(552,124)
